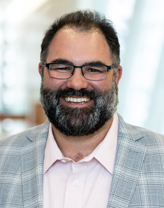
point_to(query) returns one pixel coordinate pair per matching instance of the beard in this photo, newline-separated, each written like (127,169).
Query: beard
(79,121)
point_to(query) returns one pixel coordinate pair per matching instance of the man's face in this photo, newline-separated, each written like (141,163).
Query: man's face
(78,106)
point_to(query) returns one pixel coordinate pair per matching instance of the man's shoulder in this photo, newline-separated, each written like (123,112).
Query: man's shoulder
(18,139)
(143,135)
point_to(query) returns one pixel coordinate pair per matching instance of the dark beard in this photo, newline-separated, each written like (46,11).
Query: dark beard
(79,121)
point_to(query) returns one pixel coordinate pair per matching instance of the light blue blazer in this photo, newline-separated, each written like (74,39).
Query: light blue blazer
(138,179)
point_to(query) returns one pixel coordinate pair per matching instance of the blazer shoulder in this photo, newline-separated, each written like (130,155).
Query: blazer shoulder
(143,135)
(31,133)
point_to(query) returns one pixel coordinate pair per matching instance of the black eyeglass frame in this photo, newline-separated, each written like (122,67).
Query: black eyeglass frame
(108,68)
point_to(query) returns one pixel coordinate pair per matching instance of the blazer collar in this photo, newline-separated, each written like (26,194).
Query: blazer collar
(129,160)
(37,131)
(32,158)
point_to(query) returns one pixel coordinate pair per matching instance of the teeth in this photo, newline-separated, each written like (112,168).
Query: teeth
(76,100)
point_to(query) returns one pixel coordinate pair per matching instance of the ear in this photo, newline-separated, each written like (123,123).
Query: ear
(119,75)
(40,66)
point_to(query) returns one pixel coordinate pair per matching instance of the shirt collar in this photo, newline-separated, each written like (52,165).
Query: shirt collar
(52,151)
(105,152)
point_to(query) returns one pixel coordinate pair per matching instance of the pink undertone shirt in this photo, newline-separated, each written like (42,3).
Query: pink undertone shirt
(83,184)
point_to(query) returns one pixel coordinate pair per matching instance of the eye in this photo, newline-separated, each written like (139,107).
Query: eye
(60,67)
(63,68)
(93,69)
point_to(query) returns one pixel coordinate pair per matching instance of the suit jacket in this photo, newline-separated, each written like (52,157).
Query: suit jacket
(138,179)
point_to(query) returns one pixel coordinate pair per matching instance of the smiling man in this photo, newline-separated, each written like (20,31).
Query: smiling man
(85,156)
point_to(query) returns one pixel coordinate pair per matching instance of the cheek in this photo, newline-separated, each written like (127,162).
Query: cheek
(105,84)
(51,83)
(102,86)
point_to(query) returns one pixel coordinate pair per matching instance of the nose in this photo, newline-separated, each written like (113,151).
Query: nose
(77,81)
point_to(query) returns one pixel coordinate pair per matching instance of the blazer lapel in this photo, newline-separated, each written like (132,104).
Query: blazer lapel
(129,160)
(32,157)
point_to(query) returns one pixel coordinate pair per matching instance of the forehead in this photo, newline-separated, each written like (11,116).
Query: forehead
(73,44)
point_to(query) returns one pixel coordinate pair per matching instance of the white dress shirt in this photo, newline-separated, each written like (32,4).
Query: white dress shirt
(82,184)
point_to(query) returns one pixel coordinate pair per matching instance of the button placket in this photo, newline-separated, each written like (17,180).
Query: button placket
(75,186)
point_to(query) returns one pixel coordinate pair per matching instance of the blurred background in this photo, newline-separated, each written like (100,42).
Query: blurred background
(140,27)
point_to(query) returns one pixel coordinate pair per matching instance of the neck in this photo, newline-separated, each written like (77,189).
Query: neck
(78,147)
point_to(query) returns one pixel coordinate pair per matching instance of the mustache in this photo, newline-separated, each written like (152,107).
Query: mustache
(92,94)
(79,93)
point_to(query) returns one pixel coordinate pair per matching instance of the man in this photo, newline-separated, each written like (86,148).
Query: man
(85,155)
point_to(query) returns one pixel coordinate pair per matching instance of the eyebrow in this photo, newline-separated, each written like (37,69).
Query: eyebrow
(58,61)
(65,61)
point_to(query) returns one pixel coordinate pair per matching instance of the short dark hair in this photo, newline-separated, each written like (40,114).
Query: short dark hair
(84,21)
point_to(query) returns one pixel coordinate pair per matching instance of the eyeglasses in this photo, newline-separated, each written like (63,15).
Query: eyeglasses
(91,71)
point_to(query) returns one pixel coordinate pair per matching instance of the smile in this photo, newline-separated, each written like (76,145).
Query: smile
(77,100)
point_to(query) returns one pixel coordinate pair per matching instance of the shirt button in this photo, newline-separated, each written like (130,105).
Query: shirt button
(63,161)
(76,183)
